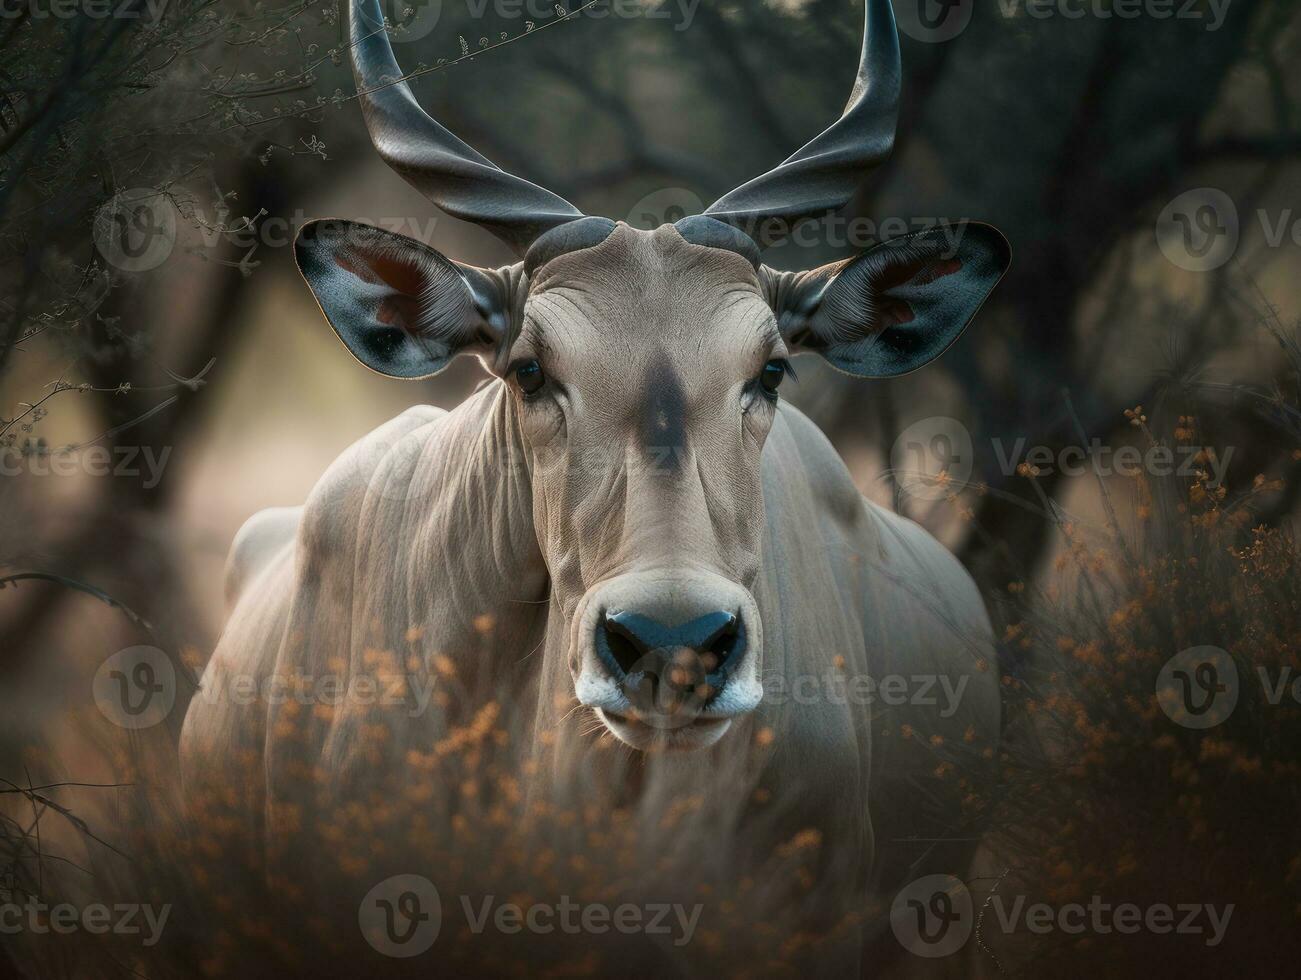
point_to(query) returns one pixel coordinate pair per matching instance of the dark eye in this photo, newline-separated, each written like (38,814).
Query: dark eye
(530,377)
(773,374)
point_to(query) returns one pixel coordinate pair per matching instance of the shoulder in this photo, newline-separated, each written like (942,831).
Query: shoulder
(913,552)
(808,484)
(258,541)
(333,505)
(378,472)
(803,470)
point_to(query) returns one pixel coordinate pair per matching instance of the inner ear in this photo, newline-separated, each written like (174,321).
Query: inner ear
(921,271)
(407,279)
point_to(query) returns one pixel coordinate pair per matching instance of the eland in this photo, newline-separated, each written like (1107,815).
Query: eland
(657,572)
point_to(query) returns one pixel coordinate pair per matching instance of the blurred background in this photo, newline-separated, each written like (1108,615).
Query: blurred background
(164,372)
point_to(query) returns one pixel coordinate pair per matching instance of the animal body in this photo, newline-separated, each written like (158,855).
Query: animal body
(626,564)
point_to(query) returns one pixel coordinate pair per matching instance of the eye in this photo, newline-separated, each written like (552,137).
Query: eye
(773,374)
(530,378)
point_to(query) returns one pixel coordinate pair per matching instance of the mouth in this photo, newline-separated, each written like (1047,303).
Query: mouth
(675,735)
(664,720)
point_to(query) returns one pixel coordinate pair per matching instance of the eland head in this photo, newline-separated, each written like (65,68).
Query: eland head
(643,370)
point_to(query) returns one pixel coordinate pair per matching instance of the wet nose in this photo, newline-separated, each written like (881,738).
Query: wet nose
(658,663)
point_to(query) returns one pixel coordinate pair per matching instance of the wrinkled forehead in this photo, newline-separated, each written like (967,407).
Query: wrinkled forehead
(649,297)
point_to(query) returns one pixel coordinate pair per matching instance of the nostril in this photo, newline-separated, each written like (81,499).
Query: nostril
(621,644)
(722,646)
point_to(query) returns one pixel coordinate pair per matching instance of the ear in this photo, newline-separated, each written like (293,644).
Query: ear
(402,308)
(897,306)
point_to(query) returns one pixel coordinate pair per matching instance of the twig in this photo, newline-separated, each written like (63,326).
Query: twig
(89,590)
(67,814)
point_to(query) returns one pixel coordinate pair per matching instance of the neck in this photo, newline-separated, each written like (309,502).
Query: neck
(477,545)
